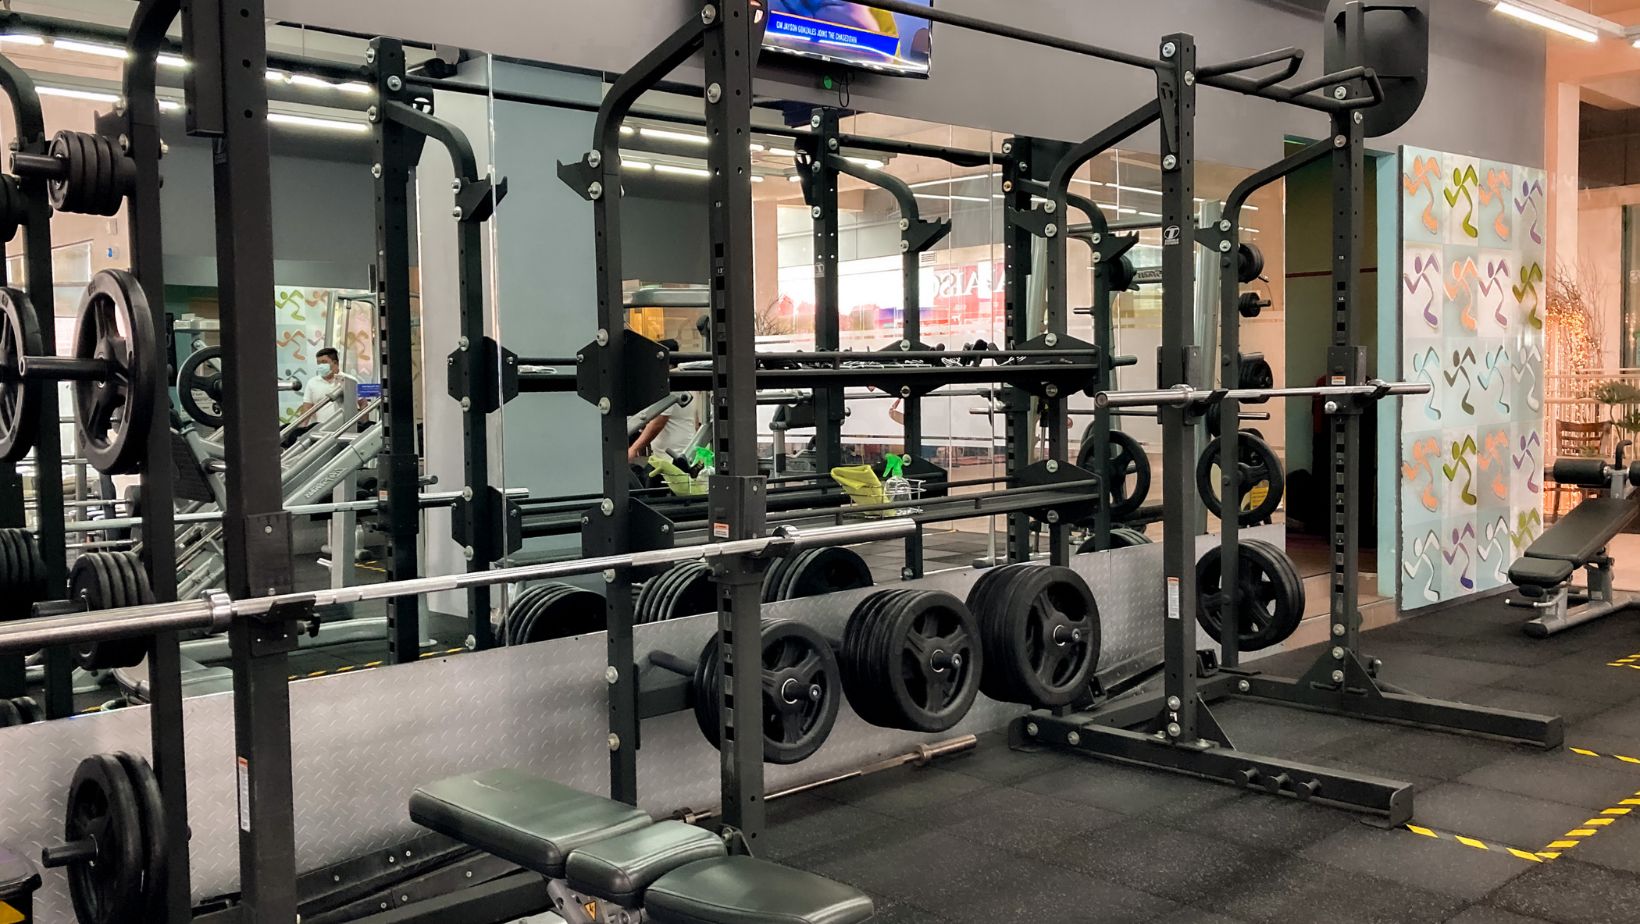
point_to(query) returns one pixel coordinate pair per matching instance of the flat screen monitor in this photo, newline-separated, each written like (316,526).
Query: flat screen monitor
(852,35)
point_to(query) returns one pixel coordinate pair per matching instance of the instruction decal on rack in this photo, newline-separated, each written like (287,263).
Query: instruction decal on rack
(1173,598)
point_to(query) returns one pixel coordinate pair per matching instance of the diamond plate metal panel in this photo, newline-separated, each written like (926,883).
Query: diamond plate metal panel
(362,742)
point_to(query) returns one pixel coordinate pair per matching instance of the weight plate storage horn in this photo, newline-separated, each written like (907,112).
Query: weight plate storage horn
(1126,472)
(112,411)
(1039,627)
(801,691)
(199,386)
(1262,482)
(912,660)
(105,580)
(1269,595)
(19,402)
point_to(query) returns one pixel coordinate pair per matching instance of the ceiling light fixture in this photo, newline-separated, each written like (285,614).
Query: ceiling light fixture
(89,48)
(23,38)
(91,96)
(336,125)
(675,170)
(662,134)
(1553,23)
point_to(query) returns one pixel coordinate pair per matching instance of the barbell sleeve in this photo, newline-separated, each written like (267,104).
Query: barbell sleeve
(217,611)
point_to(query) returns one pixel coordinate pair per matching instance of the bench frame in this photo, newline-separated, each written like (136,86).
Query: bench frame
(1566,606)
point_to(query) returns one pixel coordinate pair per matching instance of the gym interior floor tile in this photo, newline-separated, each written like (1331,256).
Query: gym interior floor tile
(1003,835)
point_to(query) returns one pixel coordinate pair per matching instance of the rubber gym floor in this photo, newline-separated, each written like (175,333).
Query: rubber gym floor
(1505,833)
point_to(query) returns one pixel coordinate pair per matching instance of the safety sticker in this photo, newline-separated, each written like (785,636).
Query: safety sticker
(1173,598)
(244,794)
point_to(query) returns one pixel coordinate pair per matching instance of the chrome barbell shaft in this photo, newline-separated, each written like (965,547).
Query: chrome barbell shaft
(218,611)
(1181,395)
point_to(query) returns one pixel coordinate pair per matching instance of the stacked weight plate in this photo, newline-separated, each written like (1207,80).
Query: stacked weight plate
(1269,598)
(802,691)
(105,580)
(682,590)
(815,572)
(114,846)
(23,710)
(1039,627)
(1120,538)
(549,611)
(22,574)
(911,659)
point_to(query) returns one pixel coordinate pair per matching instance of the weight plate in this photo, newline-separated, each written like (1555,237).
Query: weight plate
(516,611)
(799,562)
(935,662)
(19,400)
(828,570)
(1049,625)
(60,191)
(111,414)
(199,386)
(1262,482)
(527,615)
(860,680)
(13,578)
(771,578)
(29,708)
(648,596)
(103,809)
(1120,538)
(706,694)
(573,612)
(102,168)
(1269,596)
(1126,473)
(10,715)
(91,580)
(151,808)
(801,691)
(13,208)
(666,605)
(123,581)
(996,683)
(1256,374)
(696,594)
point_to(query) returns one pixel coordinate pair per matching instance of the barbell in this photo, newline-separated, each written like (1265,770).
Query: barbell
(216,611)
(1187,395)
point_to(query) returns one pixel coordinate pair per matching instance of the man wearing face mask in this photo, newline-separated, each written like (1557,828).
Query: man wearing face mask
(322,387)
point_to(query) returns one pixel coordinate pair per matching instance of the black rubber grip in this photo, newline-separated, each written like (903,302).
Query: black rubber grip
(1588,473)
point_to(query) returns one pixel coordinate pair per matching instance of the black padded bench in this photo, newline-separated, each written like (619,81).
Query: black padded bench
(1576,540)
(588,845)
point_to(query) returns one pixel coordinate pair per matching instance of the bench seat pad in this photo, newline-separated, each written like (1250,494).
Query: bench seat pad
(1580,535)
(521,817)
(1547,573)
(621,868)
(743,890)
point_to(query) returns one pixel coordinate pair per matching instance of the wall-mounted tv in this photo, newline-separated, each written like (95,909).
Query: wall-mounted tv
(846,33)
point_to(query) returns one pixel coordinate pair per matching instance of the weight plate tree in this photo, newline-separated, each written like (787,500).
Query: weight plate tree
(1126,472)
(1269,595)
(801,691)
(1039,628)
(911,660)
(199,386)
(1262,482)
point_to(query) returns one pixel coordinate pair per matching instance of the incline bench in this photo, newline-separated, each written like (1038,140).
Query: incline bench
(1578,540)
(606,861)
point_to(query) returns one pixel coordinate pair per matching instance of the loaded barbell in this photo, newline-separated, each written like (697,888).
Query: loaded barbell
(85,173)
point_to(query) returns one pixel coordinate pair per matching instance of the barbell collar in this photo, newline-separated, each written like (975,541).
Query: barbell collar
(217,610)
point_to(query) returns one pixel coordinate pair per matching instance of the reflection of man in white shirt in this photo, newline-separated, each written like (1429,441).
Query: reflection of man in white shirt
(669,433)
(321,388)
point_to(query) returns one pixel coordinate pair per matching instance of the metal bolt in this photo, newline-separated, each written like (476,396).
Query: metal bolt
(456,212)
(1007,185)
(464,343)
(1339,630)
(611,675)
(455,185)
(1357,116)
(1053,516)
(905,346)
(666,527)
(814,167)
(1244,686)
(815,211)
(466,404)
(125,144)
(594,158)
(607,506)
(609,576)
(603,406)
(1031,729)
(1189,78)
(1224,224)
(1053,465)
(1169,162)
(1173,703)
(376,171)
(1339,141)
(1052,391)
(467,494)
(394,83)
(905,224)
(1173,730)
(1049,207)
(1051,339)
(602,337)
(1024,167)
(1169,50)
(595,191)
(467,552)
(614,742)
(1338,676)
(1338,653)
(370,56)
(1007,147)
(905,247)
(268,530)
(373,114)
(905,391)
(1098,238)
(708,14)
(1339,92)
(714,93)
(814,120)
(1330,407)
(1224,246)
(1051,230)
(1073,739)
(1097,256)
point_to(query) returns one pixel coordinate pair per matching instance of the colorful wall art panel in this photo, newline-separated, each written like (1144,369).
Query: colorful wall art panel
(1472,290)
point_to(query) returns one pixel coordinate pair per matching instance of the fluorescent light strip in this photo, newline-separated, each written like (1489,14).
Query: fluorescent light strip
(794,179)
(956,179)
(1553,24)
(87,95)
(675,170)
(756,178)
(89,48)
(277,76)
(285,118)
(639,165)
(170,60)
(665,135)
(355,86)
(23,38)
(951,198)
(865,162)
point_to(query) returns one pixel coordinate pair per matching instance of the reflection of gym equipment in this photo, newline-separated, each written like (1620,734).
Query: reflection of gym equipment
(1261,483)
(199,386)
(1269,601)
(1125,472)
(1578,540)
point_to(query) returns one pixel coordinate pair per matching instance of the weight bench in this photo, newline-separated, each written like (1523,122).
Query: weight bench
(606,862)
(1578,540)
